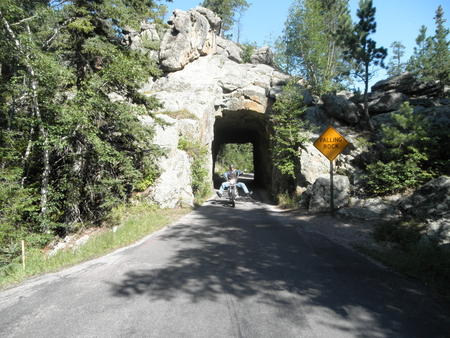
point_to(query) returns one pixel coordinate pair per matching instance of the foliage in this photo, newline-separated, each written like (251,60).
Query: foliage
(289,129)
(431,58)
(312,48)
(249,49)
(287,201)
(406,161)
(240,155)
(180,114)
(69,152)
(406,253)
(200,178)
(418,64)
(405,233)
(226,10)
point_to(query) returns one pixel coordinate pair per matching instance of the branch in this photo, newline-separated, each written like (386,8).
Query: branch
(56,31)
(26,19)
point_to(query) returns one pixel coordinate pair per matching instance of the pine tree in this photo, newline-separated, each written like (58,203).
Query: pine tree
(395,65)
(362,50)
(441,52)
(431,58)
(419,63)
(290,131)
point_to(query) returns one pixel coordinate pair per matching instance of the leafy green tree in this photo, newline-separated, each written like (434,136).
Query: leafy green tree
(226,10)
(362,50)
(290,132)
(395,65)
(311,46)
(241,155)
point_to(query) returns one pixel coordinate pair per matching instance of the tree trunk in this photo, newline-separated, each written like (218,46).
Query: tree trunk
(37,114)
(366,99)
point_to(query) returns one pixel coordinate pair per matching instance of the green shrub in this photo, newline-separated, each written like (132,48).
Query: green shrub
(249,49)
(201,186)
(287,201)
(405,233)
(406,162)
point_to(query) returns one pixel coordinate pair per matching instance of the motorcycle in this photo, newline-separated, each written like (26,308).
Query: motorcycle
(232,190)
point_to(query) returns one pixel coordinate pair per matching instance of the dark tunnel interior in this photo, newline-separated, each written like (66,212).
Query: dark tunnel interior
(246,127)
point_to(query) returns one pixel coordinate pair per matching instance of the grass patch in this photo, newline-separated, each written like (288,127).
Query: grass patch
(409,254)
(136,222)
(180,114)
(286,201)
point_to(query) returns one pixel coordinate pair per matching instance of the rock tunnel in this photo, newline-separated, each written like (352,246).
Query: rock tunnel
(245,127)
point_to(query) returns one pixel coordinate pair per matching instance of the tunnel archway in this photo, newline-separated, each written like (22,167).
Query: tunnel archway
(246,127)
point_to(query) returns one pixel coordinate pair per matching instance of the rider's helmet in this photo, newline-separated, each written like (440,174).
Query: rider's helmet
(231,166)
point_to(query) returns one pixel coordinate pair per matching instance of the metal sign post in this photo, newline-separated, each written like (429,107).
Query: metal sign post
(331,189)
(331,144)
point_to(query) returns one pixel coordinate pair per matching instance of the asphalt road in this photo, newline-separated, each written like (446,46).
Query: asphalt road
(225,272)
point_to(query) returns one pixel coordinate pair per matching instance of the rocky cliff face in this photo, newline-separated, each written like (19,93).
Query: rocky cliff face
(229,101)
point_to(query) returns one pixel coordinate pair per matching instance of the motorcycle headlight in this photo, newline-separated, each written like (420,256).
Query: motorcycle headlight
(233,181)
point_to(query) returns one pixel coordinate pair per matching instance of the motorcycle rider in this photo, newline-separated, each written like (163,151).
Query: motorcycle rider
(233,174)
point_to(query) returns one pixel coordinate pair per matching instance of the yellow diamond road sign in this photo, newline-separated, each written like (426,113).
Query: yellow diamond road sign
(331,143)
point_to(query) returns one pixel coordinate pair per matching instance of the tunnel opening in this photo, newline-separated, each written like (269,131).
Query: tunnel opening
(241,155)
(245,127)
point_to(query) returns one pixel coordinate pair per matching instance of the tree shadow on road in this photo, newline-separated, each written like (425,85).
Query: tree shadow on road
(249,253)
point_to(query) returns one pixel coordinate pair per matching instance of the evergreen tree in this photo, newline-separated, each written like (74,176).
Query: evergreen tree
(362,50)
(441,52)
(420,62)
(395,65)
(431,58)
(70,152)
(402,164)
(290,132)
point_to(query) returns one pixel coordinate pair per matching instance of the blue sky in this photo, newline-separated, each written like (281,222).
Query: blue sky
(397,20)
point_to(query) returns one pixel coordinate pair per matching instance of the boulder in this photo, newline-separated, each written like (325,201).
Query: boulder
(320,197)
(400,83)
(312,165)
(192,35)
(341,108)
(439,231)
(407,84)
(229,49)
(263,55)
(173,187)
(372,209)
(388,102)
(429,202)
